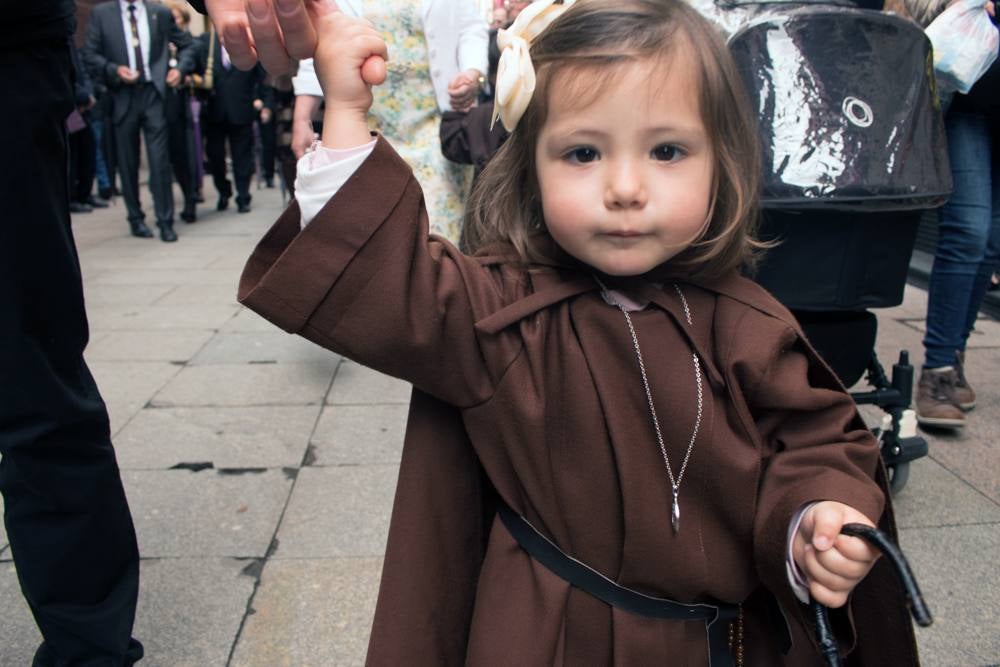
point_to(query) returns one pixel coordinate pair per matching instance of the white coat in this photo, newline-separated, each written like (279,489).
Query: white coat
(457,40)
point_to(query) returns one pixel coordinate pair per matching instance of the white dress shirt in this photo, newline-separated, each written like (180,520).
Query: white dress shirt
(142,22)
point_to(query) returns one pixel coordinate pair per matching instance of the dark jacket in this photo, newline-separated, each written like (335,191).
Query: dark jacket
(105,49)
(527,389)
(466,138)
(233,90)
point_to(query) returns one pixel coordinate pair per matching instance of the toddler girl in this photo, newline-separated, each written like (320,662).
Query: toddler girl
(619,451)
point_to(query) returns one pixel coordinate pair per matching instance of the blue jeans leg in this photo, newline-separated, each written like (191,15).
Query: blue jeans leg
(961,260)
(101,166)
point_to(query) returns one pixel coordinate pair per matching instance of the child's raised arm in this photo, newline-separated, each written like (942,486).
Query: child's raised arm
(350,58)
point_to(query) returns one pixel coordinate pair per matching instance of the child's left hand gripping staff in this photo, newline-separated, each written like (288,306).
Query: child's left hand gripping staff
(833,564)
(350,58)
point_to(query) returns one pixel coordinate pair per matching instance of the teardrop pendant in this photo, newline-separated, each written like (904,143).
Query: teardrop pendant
(675,514)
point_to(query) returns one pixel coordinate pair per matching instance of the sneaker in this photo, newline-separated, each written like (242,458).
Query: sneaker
(963,394)
(936,404)
(79,207)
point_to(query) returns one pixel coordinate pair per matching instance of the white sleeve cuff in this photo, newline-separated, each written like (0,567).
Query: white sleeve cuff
(322,172)
(796,579)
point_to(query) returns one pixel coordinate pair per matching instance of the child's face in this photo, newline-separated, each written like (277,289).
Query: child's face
(626,181)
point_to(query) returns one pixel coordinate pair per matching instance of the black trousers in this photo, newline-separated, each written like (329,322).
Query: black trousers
(268,148)
(82,164)
(65,511)
(146,113)
(240,149)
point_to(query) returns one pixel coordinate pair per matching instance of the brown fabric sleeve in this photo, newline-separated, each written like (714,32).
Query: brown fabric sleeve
(365,279)
(816,447)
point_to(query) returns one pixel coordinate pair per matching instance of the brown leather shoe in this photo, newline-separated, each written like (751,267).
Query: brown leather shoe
(936,404)
(963,394)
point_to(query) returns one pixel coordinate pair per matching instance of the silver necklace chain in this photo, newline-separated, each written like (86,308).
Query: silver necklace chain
(675,483)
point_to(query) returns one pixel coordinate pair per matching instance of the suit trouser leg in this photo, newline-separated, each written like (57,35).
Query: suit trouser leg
(179,157)
(268,146)
(215,150)
(67,519)
(127,156)
(154,130)
(241,147)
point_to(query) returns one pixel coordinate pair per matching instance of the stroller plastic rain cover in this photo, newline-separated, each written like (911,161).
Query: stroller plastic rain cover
(849,115)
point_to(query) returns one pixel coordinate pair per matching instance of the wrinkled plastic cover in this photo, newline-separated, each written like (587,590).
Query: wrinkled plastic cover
(847,109)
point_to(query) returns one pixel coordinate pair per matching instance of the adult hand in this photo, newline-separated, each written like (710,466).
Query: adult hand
(91,102)
(258,105)
(265,116)
(174,78)
(464,89)
(272,31)
(127,74)
(833,563)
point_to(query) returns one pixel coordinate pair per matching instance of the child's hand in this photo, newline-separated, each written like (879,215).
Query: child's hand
(350,58)
(833,563)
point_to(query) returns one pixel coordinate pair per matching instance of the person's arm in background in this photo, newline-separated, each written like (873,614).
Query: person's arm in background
(308,97)
(95,59)
(473,60)
(83,88)
(187,50)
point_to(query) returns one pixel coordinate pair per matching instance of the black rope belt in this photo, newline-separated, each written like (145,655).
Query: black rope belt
(593,582)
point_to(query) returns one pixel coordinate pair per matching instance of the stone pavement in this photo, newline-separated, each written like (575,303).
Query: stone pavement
(260,469)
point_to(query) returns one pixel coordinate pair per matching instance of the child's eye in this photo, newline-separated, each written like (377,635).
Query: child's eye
(667,153)
(582,154)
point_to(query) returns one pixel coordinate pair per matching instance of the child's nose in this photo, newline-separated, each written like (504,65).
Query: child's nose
(625,188)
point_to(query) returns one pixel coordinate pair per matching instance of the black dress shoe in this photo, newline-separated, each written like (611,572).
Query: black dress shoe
(167,233)
(79,207)
(97,202)
(105,193)
(223,203)
(141,230)
(243,208)
(188,216)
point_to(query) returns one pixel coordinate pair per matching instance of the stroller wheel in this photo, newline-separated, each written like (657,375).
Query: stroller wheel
(899,474)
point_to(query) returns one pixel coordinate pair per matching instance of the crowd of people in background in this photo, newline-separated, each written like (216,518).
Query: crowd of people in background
(141,72)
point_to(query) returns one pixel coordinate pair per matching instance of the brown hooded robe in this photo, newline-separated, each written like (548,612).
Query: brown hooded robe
(527,389)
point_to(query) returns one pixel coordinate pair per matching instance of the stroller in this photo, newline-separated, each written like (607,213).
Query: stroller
(854,153)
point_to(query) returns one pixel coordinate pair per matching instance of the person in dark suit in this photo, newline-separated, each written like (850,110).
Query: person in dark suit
(127,44)
(229,114)
(67,519)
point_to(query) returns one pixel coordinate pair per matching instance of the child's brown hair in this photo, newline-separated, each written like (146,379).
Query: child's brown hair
(584,47)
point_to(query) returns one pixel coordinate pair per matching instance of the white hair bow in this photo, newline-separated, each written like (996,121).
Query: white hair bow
(515,73)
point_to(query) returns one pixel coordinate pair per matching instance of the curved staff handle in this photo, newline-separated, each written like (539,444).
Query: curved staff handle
(914,600)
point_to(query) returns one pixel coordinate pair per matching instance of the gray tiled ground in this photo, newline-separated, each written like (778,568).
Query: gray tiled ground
(272,346)
(179,513)
(935,496)
(124,295)
(199,295)
(293,595)
(128,386)
(160,317)
(957,569)
(174,345)
(247,320)
(357,385)
(19,635)
(266,436)
(337,512)
(190,609)
(257,384)
(354,434)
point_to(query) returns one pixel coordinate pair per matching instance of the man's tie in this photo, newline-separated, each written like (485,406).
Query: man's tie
(136,46)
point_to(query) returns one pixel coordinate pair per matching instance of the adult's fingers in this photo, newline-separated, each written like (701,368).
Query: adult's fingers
(230,20)
(296,28)
(268,42)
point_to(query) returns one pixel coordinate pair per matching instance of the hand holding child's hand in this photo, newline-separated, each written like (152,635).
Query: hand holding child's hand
(833,563)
